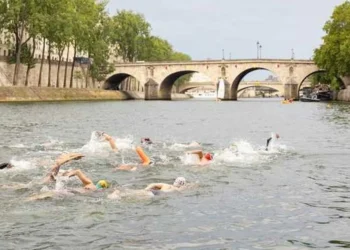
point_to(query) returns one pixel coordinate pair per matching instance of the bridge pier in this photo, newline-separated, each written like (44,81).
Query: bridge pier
(151,90)
(230,93)
(290,91)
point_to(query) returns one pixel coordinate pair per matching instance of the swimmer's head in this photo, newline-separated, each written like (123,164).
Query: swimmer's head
(179,182)
(102,184)
(146,141)
(5,165)
(99,134)
(277,136)
(208,156)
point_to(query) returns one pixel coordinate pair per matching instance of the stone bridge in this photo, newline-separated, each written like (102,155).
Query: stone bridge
(158,78)
(277,86)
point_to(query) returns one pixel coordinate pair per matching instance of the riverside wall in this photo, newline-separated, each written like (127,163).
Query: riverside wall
(36,94)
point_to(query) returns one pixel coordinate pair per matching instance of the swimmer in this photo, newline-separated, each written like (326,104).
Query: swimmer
(178,185)
(269,140)
(86,181)
(108,138)
(145,161)
(62,159)
(146,141)
(5,165)
(152,189)
(194,144)
(204,159)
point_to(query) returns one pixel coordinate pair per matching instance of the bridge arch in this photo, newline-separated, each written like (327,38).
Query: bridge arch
(114,81)
(261,88)
(187,89)
(265,87)
(167,84)
(198,87)
(313,73)
(238,79)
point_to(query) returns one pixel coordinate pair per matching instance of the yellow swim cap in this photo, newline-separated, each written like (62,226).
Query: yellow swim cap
(102,184)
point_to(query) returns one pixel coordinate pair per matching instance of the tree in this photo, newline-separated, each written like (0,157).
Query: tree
(130,35)
(18,17)
(27,58)
(334,54)
(97,46)
(86,14)
(156,49)
(61,29)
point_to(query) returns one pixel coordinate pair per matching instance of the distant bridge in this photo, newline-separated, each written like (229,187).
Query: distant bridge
(277,86)
(158,78)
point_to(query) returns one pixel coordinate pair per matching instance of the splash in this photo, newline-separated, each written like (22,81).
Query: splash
(97,145)
(244,152)
(190,159)
(182,146)
(21,165)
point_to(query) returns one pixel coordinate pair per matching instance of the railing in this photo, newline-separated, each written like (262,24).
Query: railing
(142,63)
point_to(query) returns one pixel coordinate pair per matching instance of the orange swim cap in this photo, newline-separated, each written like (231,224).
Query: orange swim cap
(208,156)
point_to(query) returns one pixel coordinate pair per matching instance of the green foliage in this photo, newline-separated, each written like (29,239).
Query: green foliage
(180,57)
(130,36)
(327,79)
(334,54)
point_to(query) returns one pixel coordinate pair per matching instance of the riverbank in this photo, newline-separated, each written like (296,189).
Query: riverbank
(35,94)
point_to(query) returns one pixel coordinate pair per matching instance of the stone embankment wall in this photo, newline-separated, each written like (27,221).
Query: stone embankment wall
(35,94)
(7,70)
(344,95)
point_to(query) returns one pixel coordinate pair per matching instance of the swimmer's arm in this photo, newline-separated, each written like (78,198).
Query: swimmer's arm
(154,186)
(197,152)
(83,178)
(111,142)
(62,159)
(267,143)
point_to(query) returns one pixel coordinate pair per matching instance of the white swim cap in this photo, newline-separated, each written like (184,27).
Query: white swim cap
(180,181)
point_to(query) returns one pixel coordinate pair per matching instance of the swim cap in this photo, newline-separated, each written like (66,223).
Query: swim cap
(5,165)
(146,140)
(102,184)
(208,156)
(180,181)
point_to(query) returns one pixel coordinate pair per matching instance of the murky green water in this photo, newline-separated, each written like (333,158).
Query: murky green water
(296,196)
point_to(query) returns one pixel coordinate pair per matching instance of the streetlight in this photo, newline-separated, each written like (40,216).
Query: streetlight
(223,54)
(257,49)
(260,50)
(293,54)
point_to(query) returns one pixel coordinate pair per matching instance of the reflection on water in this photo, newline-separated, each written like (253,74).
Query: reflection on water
(294,196)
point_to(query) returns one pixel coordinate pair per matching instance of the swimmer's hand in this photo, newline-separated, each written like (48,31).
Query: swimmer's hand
(64,158)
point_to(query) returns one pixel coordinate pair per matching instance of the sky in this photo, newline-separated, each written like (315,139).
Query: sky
(211,29)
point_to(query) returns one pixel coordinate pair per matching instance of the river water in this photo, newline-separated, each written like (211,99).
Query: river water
(294,196)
